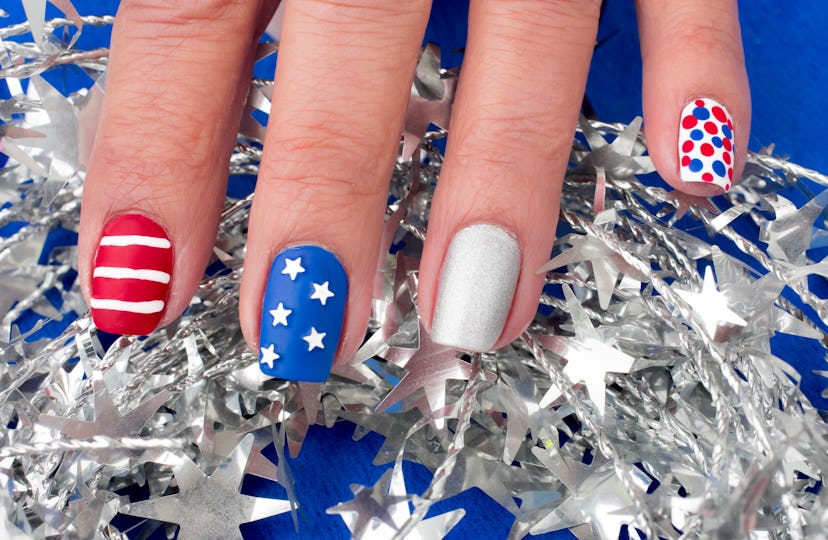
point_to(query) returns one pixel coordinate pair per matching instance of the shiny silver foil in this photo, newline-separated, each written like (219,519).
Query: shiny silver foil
(629,402)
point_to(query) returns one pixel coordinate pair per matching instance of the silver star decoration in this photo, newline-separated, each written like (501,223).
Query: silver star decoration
(623,158)
(428,368)
(91,511)
(789,235)
(432,95)
(589,357)
(59,137)
(36,14)
(367,505)
(476,469)
(380,511)
(685,202)
(597,501)
(210,506)
(606,264)
(518,399)
(710,308)
(108,419)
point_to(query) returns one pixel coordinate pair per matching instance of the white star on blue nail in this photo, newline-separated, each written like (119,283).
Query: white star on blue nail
(321,292)
(314,339)
(269,355)
(280,314)
(293,267)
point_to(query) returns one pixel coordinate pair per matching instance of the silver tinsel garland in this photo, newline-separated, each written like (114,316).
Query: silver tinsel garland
(646,395)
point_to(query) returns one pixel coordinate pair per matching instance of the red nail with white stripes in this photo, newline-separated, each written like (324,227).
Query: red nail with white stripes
(131,278)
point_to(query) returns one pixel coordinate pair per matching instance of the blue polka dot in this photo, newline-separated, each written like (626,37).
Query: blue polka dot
(726,131)
(717,142)
(701,113)
(718,167)
(696,134)
(695,165)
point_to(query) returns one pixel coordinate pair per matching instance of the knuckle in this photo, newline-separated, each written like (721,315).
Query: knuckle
(152,178)
(703,34)
(546,18)
(362,11)
(186,14)
(325,156)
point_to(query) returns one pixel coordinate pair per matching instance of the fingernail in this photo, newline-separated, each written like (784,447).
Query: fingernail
(131,276)
(706,143)
(302,313)
(477,284)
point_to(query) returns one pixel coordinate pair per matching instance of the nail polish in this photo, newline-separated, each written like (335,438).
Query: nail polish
(705,144)
(477,284)
(131,275)
(302,314)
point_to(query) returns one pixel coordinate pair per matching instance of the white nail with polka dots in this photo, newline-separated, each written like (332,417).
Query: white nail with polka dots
(705,143)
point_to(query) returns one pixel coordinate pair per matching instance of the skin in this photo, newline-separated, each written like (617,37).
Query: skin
(345,69)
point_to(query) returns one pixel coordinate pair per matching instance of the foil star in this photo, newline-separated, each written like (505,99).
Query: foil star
(595,498)
(623,158)
(517,398)
(606,264)
(428,368)
(210,506)
(368,504)
(60,128)
(382,510)
(589,357)
(711,308)
(476,469)
(109,421)
(432,95)
(789,235)
(91,511)
(684,202)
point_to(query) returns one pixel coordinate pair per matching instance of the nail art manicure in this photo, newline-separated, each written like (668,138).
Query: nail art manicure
(131,275)
(302,314)
(477,284)
(706,146)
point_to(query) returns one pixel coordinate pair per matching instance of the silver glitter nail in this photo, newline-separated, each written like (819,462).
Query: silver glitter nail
(477,284)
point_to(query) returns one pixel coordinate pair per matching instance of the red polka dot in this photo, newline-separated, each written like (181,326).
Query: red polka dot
(707,149)
(727,187)
(687,146)
(707,177)
(727,145)
(730,173)
(726,157)
(711,128)
(699,103)
(689,122)
(685,161)
(729,124)
(719,113)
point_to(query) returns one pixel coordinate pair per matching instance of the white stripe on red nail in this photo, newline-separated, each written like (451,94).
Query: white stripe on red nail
(115,272)
(152,306)
(135,240)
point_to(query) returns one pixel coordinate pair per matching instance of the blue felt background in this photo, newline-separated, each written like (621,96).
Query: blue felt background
(786,62)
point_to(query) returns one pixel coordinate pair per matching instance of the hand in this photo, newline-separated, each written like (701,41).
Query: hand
(176,86)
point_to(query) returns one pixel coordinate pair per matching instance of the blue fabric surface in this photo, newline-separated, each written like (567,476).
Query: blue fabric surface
(785,57)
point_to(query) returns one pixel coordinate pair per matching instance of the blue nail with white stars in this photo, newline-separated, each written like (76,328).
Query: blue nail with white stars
(304,306)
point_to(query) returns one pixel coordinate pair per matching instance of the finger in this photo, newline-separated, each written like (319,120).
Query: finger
(494,212)
(157,175)
(342,82)
(696,93)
